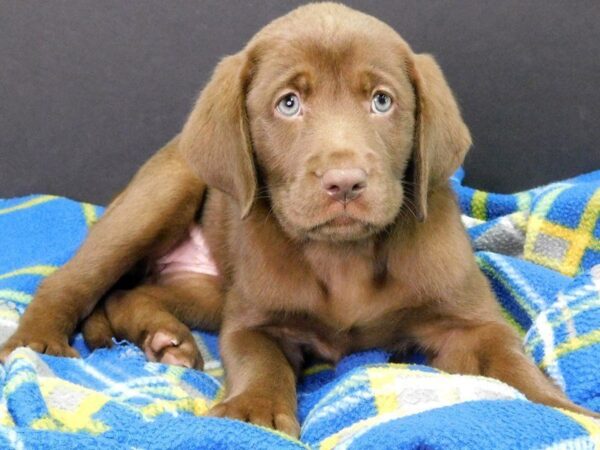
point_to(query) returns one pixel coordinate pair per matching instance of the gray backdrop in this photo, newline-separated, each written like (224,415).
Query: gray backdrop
(89,89)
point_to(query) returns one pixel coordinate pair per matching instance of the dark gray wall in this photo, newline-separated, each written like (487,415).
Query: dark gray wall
(89,89)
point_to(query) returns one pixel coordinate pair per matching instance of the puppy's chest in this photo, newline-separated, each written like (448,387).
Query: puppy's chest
(352,291)
(351,309)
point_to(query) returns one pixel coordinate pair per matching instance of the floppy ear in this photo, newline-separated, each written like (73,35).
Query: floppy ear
(215,139)
(441,137)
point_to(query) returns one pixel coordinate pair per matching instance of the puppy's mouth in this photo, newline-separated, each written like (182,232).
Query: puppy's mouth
(342,221)
(305,217)
(342,227)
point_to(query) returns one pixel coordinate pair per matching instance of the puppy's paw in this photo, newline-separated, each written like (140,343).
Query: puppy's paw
(94,341)
(97,332)
(173,345)
(259,410)
(49,343)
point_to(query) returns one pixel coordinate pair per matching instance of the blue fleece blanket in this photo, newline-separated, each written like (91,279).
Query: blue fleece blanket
(540,250)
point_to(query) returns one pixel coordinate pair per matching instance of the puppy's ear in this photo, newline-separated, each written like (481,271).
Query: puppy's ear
(215,139)
(441,137)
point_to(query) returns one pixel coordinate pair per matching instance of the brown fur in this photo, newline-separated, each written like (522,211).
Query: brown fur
(299,271)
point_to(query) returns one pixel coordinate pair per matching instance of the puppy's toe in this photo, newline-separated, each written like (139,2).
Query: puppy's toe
(287,424)
(9,346)
(60,349)
(173,347)
(160,340)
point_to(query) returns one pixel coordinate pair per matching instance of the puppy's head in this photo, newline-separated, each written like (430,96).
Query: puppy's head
(343,124)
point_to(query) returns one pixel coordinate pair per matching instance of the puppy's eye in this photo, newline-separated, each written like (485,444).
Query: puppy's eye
(289,105)
(381,103)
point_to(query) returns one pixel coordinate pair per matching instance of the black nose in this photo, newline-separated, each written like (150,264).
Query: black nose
(344,185)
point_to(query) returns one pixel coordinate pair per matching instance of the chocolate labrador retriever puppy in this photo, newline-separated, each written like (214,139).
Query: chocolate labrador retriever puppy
(326,145)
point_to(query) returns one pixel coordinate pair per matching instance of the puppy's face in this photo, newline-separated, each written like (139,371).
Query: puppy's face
(322,112)
(332,122)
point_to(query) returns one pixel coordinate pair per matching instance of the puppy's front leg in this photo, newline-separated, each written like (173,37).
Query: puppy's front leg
(261,384)
(149,216)
(494,349)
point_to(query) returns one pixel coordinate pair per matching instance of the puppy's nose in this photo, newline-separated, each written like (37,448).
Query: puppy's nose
(344,185)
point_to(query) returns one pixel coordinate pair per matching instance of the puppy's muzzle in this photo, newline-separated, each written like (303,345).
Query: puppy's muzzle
(344,185)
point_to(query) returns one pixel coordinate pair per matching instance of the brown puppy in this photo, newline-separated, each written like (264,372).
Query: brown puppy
(326,145)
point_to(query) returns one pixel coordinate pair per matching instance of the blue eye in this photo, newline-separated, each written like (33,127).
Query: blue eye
(381,103)
(289,105)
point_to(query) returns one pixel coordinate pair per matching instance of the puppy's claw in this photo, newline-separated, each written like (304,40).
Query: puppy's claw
(259,410)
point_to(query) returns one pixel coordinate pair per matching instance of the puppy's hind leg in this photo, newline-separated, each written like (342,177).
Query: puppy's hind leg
(157,317)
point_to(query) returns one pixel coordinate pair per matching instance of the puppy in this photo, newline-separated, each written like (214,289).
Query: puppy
(316,164)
